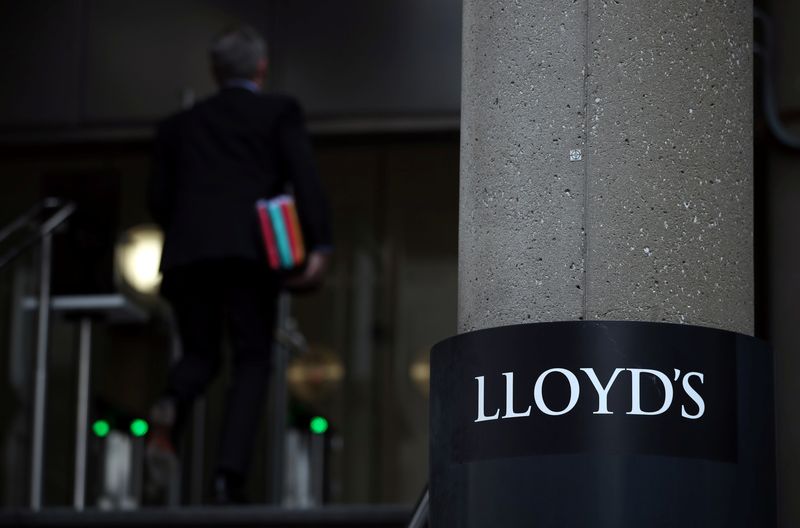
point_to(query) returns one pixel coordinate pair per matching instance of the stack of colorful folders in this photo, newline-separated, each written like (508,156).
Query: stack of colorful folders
(280,228)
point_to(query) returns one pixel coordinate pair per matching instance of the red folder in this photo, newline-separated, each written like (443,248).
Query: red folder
(268,234)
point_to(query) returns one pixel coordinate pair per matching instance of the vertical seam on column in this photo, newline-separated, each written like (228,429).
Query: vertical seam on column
(586,159)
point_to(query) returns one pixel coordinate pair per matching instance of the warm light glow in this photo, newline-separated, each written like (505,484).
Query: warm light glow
(138,257)
(420,371)
(315,374)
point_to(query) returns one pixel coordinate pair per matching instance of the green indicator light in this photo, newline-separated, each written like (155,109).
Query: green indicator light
(139,427)
(100,428)
(318,425)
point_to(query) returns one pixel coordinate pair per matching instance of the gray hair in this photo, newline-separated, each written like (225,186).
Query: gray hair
(236,52)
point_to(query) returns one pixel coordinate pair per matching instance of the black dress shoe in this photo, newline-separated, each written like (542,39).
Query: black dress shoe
(161,459)
(227,490)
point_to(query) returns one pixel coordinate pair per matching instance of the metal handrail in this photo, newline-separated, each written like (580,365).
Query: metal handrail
(28,216)
(43,235)
(65,210)
(421,511)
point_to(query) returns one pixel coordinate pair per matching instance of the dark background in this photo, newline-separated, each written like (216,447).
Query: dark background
(82,84)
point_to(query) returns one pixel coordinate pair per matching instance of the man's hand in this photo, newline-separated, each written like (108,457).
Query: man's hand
(312,275)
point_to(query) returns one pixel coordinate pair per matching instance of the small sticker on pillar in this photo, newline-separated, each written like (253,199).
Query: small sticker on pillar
(575,155)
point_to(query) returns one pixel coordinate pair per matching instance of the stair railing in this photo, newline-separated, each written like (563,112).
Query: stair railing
(56,212)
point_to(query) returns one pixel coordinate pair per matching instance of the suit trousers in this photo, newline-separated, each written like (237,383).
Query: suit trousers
(207,297)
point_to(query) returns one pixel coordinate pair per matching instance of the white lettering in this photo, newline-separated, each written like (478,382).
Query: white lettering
(481,416)
(602,392)
(510,398)
(636,405)
(701,405)
(574,392)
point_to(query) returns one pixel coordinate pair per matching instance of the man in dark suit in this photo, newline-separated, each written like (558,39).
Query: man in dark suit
(212,163)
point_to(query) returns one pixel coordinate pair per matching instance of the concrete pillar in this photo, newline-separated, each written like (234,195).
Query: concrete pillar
(606,162)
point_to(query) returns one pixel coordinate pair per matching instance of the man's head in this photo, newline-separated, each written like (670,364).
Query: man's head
(239,53)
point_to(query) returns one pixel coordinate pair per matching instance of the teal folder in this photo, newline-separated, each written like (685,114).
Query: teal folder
(282,235)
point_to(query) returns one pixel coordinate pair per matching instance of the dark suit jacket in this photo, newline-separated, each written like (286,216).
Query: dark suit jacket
(213,161)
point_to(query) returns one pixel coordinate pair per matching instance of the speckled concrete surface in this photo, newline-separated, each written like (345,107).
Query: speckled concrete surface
(521,239)
(662,184)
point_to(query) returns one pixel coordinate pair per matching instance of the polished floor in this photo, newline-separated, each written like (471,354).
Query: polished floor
(233,517)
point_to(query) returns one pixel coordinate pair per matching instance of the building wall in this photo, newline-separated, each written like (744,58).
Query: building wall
(130,62)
